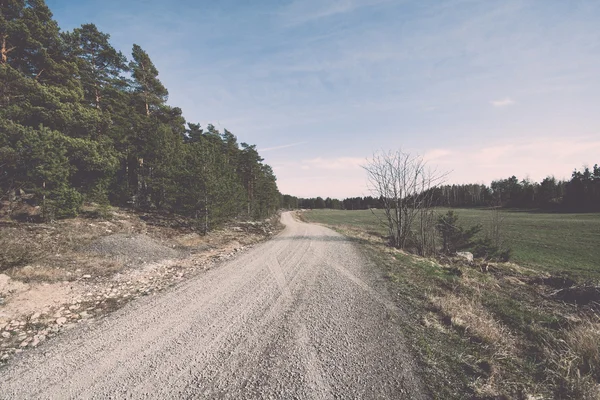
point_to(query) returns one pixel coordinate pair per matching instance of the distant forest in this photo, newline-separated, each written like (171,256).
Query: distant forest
(579,194)
(80,121)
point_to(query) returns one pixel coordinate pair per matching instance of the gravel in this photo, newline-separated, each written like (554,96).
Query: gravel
(301,316)
(131,248)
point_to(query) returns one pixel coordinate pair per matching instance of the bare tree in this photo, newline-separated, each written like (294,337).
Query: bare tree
(405,184)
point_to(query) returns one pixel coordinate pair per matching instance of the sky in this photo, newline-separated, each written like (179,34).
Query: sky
(481,89)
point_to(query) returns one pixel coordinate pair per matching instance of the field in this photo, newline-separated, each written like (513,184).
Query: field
(528,329)
(557,243)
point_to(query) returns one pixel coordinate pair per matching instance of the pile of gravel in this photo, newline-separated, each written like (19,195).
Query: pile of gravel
(131,248)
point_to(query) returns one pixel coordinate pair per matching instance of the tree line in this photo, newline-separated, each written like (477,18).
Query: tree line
(581,193)
(80,121)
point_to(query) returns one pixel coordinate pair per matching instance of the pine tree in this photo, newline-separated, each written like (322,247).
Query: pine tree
(151,92)
(101,67)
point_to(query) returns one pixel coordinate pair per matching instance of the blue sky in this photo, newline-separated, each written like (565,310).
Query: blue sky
(484,89)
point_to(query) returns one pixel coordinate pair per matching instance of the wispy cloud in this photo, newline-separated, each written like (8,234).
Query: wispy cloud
(507,101)
(436,154)
(303,11)
(340,163)
(285,146)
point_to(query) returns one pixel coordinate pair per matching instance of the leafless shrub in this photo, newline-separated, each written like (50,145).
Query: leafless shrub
(403,182)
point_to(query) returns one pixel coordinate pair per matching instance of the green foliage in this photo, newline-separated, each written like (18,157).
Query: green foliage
(454,236)
(64,202)
(486,249)
(75,126)
(151,93)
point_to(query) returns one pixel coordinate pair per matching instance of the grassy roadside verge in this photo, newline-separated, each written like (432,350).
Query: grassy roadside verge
(486,330)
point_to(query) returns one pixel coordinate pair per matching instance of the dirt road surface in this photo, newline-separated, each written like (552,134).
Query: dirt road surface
(303,316)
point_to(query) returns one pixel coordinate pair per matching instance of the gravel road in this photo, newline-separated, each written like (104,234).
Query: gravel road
(303,316)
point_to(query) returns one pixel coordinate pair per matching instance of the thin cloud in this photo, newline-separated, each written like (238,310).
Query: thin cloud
(285,146)
(340,163)
(301,11)
(436,154)
(503,102)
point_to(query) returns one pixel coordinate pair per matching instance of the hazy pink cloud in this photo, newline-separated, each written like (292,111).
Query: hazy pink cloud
(507,101)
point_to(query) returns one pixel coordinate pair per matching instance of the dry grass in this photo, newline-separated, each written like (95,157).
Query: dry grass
(584,342)
(51,252)
(38,273)
(16,250)
(574,360)
(69,269)
(468,315)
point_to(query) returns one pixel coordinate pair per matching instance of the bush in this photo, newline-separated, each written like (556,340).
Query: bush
(65,203)
(455,237)
(485,248)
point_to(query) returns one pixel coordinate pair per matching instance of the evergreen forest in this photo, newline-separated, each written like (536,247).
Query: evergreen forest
(82,122)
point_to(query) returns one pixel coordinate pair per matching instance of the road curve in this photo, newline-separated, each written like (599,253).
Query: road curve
(302,316)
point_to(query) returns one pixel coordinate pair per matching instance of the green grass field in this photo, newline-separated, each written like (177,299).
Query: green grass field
(558,243)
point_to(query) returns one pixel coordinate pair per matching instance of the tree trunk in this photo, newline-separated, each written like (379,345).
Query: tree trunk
(4,50)
(97,94)
(205,213)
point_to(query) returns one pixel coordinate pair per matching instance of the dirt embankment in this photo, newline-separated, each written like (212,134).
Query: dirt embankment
(56,276)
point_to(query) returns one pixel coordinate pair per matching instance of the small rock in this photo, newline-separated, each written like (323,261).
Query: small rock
(61,320)
(466,255)
(5,357)
(86,276)
(24,343)
(5,335)
(36,316)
